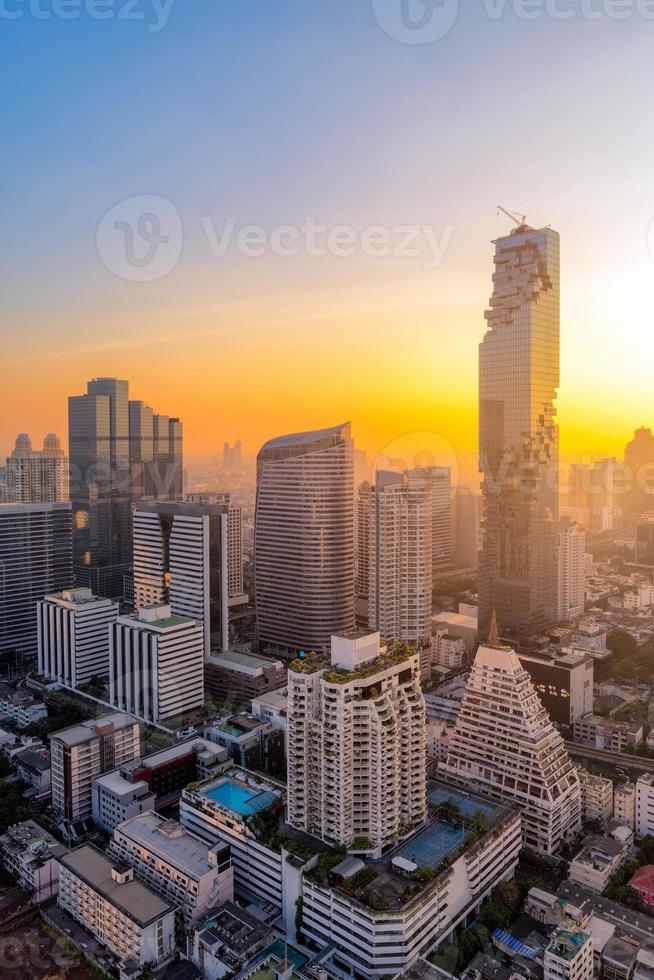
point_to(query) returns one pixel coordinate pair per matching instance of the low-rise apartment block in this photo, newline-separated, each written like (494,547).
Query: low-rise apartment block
(32,854)
(607,734)
(21,710)
(121,912)
(175,863)
(33,767)
(596,797)
(569,956)
(598,859)
(156,780)
(624,804)
(116,799)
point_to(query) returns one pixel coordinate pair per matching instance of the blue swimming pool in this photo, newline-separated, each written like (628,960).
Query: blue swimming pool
(435,843)
(241,799)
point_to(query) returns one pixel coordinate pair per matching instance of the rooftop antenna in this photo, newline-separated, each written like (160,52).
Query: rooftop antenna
(520,219)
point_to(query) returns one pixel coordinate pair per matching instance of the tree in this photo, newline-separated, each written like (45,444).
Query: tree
(621,643)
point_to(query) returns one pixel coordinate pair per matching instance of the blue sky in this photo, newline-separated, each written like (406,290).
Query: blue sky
(275,111)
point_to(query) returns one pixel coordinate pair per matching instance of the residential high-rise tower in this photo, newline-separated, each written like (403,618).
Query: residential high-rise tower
(395,537)
(356,744)
(37,476)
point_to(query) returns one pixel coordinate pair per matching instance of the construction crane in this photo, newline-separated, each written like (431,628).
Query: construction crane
(520,219)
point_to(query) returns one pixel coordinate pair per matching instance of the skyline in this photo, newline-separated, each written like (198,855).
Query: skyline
(400,134)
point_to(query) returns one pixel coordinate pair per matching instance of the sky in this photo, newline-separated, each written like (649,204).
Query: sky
(138,148)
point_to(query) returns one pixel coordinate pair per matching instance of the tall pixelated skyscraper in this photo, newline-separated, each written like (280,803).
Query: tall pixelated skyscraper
(518,435)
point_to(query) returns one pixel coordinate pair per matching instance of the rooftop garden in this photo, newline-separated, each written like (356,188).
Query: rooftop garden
(398,653)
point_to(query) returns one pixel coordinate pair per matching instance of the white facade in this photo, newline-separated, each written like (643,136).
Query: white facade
(31,854)
(572,571)
(398,544)
(644,817)
(258,870)
(130,919)
(115,799)
(448,650)
(505,745)
(175,863)
(624,804)
(356,744)
(37,476)
(569,956)
(73,636)
(81,753)
(380,944)
(182,558)
(156,664)
(596,796)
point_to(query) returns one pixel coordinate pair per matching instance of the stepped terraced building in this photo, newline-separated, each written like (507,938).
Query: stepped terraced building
(505,746)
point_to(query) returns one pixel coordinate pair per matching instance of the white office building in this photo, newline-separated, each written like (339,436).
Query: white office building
(104,897)
(81,753)
(356,743)
(572,571)
(505,745)
(73,636)
(175,863)
(184,558)
(156,664)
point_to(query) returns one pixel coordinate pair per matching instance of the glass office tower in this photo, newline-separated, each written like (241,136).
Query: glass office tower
(518,435)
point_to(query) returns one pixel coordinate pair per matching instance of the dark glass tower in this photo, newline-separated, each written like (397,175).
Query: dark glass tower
(518,435)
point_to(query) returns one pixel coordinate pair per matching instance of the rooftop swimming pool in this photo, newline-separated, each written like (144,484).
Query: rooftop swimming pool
(240,798)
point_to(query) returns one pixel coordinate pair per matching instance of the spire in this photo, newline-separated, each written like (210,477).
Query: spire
(493,633)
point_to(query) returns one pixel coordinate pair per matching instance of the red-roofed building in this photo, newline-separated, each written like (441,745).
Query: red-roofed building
(642,882)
